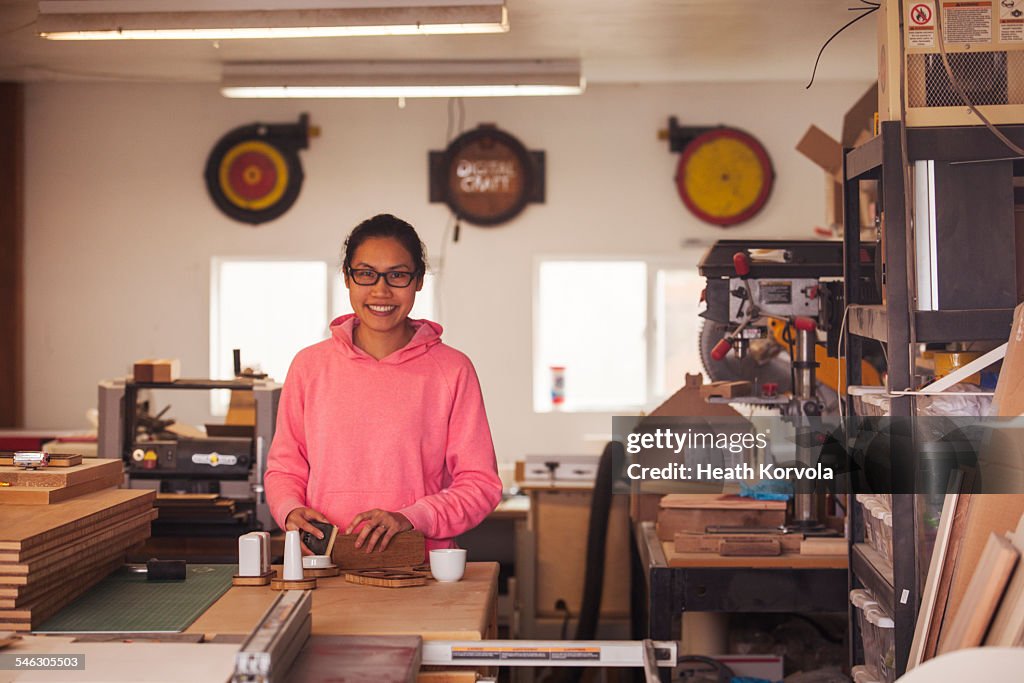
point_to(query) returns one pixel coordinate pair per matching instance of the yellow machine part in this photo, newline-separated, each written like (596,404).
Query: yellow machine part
(829,369)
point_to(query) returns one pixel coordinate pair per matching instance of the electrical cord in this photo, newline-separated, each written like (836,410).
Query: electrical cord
(455,126)
(867,7)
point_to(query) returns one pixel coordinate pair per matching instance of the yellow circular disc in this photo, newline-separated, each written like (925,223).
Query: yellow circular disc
(253,175)
(724,176)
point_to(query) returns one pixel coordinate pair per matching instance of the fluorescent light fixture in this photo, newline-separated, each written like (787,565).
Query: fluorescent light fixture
(393,79)
(227,19)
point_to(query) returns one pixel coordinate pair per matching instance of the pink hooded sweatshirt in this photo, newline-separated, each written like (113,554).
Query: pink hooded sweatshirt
(407,433)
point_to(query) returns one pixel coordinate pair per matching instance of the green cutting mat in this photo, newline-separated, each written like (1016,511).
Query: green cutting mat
(127,602)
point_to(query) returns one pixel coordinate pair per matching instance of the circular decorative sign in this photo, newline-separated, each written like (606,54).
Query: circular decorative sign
(489,175)
(254,177)
(724,176)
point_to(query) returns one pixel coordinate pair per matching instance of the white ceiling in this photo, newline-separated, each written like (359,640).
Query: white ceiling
(618,41)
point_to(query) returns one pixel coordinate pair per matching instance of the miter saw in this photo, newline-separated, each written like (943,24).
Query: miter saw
(773,318)
(767,301)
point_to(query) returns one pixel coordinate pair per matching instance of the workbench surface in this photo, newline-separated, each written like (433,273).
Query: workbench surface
(464,610)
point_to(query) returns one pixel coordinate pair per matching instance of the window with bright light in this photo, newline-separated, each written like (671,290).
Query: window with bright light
(269,310)
(622,334)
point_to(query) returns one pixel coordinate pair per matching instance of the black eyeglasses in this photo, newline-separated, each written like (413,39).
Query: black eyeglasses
(367,277)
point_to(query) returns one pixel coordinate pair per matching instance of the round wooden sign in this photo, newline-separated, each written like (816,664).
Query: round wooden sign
(488,174)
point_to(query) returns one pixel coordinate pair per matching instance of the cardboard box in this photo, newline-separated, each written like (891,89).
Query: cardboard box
(687,402)
(157,370)
(827,153)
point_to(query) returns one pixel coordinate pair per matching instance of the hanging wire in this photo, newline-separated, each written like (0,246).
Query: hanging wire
(454,127)
(866,7)
(963,94)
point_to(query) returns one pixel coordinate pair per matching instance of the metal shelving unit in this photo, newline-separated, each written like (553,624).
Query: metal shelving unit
(971,218)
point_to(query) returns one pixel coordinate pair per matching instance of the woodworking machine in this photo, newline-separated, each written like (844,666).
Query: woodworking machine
(154,457)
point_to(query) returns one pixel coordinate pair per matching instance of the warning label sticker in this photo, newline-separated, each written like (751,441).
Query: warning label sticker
(967,22)
(920,25)
(1011,21)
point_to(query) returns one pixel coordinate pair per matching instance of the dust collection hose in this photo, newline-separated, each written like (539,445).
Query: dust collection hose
(597,535)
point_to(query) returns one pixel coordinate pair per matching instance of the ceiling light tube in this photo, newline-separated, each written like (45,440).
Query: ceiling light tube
(392,79)
(158,20)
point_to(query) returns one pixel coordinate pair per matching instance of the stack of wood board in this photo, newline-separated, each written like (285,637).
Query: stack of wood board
(51,554)
(696,542)
(973,593)
(192,507)
(696,512)
(49,485)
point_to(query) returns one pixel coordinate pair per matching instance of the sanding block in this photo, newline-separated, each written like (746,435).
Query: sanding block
(320,546)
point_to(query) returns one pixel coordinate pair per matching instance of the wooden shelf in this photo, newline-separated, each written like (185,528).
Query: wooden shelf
(876,574)
(935,326)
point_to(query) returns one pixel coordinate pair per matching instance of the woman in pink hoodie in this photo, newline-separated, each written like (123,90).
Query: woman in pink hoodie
(381,428)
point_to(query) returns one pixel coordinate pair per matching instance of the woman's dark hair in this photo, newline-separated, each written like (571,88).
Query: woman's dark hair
(386,225)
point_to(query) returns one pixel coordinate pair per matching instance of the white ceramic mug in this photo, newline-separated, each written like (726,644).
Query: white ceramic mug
(448,564)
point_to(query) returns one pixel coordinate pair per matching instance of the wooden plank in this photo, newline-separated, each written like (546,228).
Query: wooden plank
(690,501)
(47,495)
(693,542)
(757,548)
(28,525)
(988,514)
(45,606)
(985,590)
(75,574)
(438,611)
(945,579)
(405,550)
(1008,626)
(783,561)
(929,597)
(55,460)
(386,578)
(725,389)
(70,552)
(94,468)
(62,540)
(382,659)
(825,546)
(672,521)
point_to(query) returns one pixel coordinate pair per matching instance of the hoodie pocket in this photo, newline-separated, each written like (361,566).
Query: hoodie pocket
(341,506)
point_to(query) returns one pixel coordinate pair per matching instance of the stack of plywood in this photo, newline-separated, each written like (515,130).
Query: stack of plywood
(51,554)
(47,485)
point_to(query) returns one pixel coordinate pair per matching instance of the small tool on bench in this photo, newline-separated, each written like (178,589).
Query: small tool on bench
(31,460)
(161,570)
(320,546)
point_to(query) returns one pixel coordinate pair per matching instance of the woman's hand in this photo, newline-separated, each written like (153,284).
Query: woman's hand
(380,525)
(298,520)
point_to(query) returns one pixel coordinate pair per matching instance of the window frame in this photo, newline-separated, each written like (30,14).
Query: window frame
(680,261)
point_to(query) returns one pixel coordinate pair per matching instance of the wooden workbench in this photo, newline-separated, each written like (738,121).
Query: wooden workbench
(464,610)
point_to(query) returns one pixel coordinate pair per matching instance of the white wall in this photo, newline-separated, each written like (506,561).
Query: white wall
(120,230)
